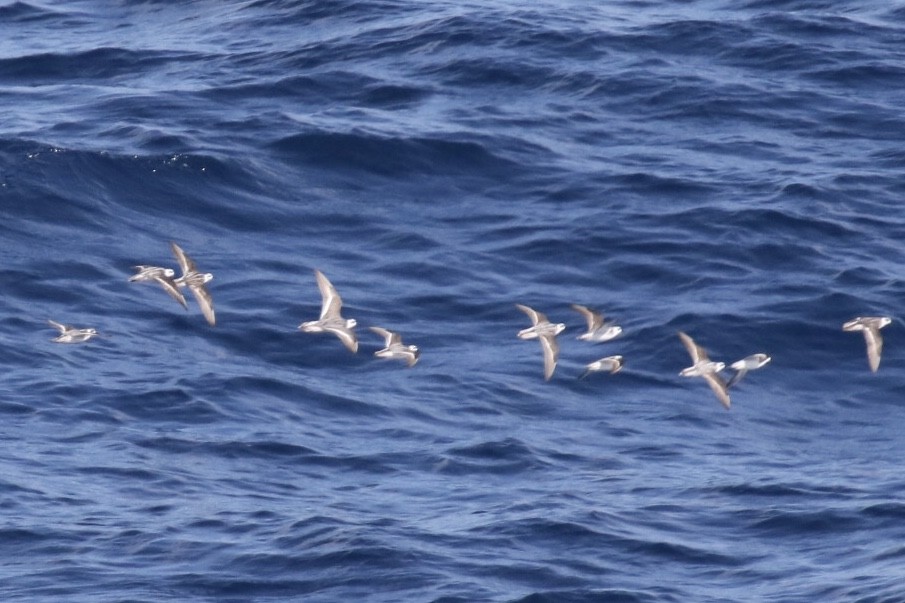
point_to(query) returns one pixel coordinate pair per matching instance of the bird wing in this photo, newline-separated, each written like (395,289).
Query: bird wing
(719,387)
(169,285)
(58,326)
(855,324)
(594,319)
(535,316)
(138,274)
(389,337)
(551,353)
(347,337)
(874,347)
(185,262)
(616,364)
(331,302)
(696,352)
(205,302)
(738,376)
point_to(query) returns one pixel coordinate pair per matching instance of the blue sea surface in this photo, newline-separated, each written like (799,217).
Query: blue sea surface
(733,170)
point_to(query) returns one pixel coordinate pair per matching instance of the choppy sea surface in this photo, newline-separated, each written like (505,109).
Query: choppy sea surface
(734,170)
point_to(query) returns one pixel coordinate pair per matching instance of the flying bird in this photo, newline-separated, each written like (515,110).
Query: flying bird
(546,332)
(71,334)
(394,348)
(330,320)
(705,368)
(195,281)
(749,363)
(598,330)
(161,276)
(870,326)
(610,364)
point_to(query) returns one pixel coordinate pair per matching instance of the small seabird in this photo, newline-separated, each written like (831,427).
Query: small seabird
(161,276)
(610,364)
(546,331)
(393,347)
(749,363)
(704,367)
(330,320)
(195,281)
(598,330)
(871,326)
(70,334)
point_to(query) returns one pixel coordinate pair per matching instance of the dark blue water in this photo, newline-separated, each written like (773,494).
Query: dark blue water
(733,170)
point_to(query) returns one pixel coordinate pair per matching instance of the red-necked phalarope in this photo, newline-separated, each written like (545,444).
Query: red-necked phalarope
(598,330)
(871,326)
(610,364)
(546,332)
(704,367)
(71,334)
(162,276)
(394,349)
(195,281)
(330,320)
(749,363)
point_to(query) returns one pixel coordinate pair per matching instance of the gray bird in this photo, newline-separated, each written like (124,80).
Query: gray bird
(870,326)
(330,320)
(749,363)
(706,368)
(610,364)
(546,332)
(598,330)
(195,281)
(161,276)
(394,348)
(71,334)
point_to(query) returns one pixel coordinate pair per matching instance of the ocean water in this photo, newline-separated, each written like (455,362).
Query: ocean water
(729,169)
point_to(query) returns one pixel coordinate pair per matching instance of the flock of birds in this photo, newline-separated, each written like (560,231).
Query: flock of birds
(598,331)
(332,321)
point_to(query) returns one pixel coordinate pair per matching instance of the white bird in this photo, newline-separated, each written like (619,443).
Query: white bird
(71,334)
(871,326)
(704,367)
(394,349)
(546,331)
(598,330)
(330,320)
(195,281)
(749,363)
(611,364)
(161,276)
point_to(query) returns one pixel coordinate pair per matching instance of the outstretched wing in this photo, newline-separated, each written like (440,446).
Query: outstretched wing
(331,302)
(719,387)
(169,285)
(389,337)
(205,302)
(535,316)
(551,354)
(347,336)
(874,347)
(696,352)
(58,326)
(738,376)
(594,319)
(185,262)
